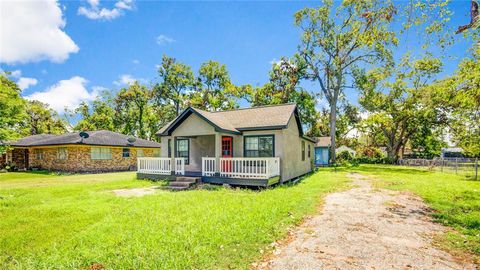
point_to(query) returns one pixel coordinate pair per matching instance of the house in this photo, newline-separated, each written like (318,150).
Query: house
(257,146)
(344,148)
(322,151)
(90,151)
(451,152)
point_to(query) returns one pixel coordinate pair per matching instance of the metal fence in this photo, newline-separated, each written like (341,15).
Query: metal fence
(461,166)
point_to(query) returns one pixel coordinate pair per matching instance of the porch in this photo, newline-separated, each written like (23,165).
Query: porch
(239,171)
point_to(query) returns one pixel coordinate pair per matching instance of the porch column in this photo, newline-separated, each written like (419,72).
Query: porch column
(218,151)
(173,148)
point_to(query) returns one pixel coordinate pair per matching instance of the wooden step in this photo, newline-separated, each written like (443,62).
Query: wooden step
(180,184)
(188,179)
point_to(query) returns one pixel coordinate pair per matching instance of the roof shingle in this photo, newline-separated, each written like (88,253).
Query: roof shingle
(100,137)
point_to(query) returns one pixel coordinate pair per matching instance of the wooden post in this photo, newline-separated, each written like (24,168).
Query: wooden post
(218,151)
(456,165)
(476,168)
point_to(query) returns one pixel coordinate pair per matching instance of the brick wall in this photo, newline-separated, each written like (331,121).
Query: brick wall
(18,158)
(79,160)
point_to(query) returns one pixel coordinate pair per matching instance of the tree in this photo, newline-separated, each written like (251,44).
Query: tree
(12,110)
(97,116)
(175,79)
(132,108)
(41,119)
(458,96)
(334,42)
(284,87)
(397,100)
(213,90)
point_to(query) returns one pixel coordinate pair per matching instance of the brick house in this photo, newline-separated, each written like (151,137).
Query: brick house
(98,151)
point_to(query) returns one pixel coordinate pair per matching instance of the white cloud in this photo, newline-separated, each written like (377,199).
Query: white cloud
(136,62)
(31,31)
(16,73)
(125,79)
(23,83)
(94,12)
(164,40)
(65,94)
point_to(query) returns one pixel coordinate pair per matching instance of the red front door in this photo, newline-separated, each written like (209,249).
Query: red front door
(227,152)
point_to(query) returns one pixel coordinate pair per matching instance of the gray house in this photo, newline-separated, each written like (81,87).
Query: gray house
(256,146)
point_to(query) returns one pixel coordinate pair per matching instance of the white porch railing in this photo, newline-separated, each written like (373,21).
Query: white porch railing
(180,166)
(154,165)
(259,168)
(208,166)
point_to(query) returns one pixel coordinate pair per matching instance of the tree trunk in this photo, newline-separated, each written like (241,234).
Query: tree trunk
(333,125)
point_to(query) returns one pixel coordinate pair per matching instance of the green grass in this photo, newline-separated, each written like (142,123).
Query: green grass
(454,199)
(72,222)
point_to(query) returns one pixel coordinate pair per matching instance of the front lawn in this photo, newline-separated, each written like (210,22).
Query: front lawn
(455,199)
(49,221)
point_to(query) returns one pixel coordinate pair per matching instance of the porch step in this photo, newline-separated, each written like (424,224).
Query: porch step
(183,183)
(188,179)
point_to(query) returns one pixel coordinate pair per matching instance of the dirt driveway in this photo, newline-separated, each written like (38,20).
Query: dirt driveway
(363,228)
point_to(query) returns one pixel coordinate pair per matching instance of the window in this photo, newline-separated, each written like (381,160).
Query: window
(259,146)
(183,149)
(303,150)
(126,152)
(140,153)
(100,153)
(38,154)
(309,154)
(62,153)
(169,147)
(156,152)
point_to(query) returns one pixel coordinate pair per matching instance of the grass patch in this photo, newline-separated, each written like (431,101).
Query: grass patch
(455,199)
(50,221)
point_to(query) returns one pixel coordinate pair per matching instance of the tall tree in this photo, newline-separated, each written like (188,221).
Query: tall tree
(12,110)
(132,108)
(397,100)
(336,40)
(284,87)
(41,119)
(97,116)
(213,90)
(459,97)
(175,80)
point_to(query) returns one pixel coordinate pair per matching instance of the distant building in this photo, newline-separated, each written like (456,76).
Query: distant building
(451,152)
(322,151)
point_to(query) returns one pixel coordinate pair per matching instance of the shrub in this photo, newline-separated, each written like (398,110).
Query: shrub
(370,152)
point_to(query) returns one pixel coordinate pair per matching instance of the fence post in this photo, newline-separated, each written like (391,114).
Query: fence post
(476,168)
(456,165)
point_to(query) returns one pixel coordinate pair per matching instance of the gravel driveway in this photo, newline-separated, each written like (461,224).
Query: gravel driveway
(365,228)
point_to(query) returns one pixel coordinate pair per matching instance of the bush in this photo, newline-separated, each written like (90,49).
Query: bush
(344,156)
(370,152)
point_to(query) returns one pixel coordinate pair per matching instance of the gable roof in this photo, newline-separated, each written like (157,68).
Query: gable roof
(322,141)
(100,138)
(236,121)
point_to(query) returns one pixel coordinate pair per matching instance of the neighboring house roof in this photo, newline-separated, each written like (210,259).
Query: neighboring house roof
(322,141)
(236,121)
(100,138)
(452,149)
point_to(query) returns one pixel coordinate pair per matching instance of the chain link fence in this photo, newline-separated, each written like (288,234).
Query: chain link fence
(461,166)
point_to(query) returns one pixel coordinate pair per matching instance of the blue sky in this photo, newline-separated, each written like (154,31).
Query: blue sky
(109,52)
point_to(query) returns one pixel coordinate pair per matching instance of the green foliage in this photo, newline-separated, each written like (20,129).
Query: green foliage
(214,91)
(397,102)
(369,151)
(79,221)
(459,97)
(336,40)
(175,79)
(284,87)
(41,119)
(12,110)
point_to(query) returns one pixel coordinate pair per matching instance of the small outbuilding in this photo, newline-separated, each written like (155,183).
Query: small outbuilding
(322,151)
